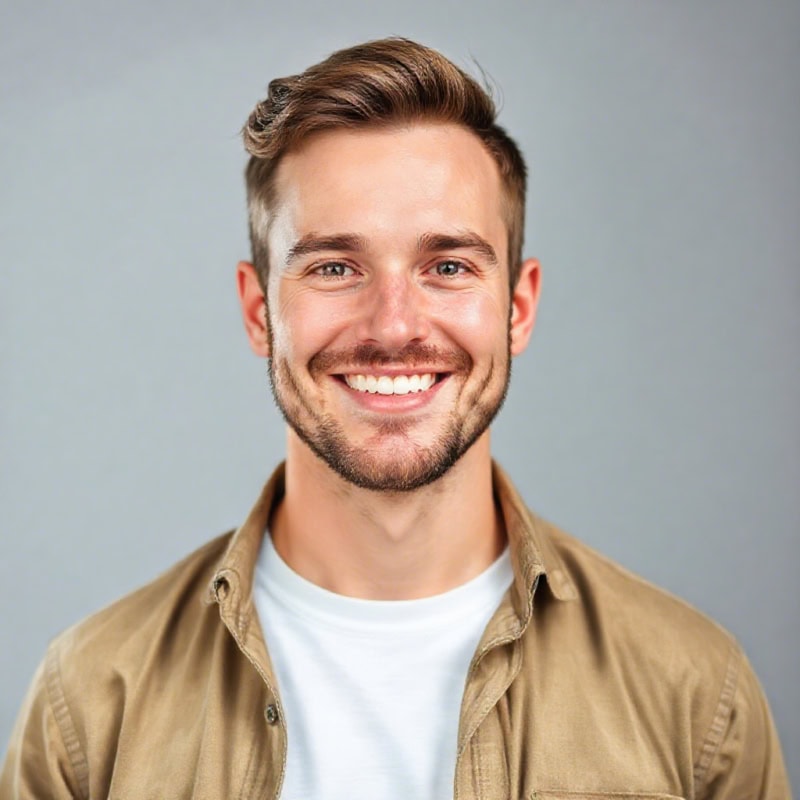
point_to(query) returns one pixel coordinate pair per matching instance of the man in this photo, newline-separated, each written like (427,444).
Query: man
(391,621)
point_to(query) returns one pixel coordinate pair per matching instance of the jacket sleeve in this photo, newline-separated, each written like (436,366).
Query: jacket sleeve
(43,752)
(741,756)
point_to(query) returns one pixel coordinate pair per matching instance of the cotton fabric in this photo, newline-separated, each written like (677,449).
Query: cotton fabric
(372,683)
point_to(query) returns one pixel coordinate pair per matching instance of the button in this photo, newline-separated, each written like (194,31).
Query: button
(221,588)
(271,713)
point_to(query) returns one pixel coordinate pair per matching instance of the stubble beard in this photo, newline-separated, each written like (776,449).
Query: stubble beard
(414,465)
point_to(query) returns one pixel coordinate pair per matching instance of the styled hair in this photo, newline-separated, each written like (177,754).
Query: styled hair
(380,83)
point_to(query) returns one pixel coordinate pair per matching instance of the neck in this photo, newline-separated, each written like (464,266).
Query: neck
(387,546)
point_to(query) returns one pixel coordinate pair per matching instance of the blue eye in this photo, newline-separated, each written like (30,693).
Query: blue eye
(450,268)
(334,269)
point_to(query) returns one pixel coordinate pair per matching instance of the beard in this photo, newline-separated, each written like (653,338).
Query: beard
(412,465)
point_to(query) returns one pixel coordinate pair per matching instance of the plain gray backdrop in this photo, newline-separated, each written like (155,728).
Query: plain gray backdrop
(656,414)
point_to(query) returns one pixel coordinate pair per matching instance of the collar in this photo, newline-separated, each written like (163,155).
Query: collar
(533,554)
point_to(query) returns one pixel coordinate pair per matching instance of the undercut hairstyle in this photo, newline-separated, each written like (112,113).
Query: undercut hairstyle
(382,83)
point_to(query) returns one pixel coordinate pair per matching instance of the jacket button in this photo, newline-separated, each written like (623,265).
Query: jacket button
(271,713)
(221,588)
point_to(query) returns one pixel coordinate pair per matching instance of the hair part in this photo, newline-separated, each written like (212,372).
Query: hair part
(380,83)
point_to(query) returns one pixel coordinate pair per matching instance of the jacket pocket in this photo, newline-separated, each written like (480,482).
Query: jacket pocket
(566,795)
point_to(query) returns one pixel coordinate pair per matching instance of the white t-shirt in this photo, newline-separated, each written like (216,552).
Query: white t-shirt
(371,689)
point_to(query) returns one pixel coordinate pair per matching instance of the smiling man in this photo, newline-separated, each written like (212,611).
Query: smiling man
(391,621)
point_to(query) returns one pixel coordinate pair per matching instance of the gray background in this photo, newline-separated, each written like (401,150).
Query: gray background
(656,414)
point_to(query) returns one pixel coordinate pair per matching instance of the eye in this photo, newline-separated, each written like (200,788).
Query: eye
(334,269)
(450,268)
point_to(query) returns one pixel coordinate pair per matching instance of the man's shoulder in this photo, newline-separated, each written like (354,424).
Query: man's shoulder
(628,611)
(168,606)
(640,661)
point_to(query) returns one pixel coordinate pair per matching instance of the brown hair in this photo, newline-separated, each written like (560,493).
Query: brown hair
(377,83)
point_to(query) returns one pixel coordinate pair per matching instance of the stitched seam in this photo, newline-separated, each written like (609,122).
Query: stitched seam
(484,708)
(246,652)
(477,766)
(66,726)
(489,703)
(716,731)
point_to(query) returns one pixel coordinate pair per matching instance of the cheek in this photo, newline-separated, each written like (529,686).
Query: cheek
(477,321)
(302,325)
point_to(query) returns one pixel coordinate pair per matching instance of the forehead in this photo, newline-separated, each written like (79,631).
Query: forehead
(390,182)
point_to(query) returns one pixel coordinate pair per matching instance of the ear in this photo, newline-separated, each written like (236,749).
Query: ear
(254,308)
(524,302)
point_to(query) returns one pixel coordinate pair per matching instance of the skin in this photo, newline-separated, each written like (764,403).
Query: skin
(388,256)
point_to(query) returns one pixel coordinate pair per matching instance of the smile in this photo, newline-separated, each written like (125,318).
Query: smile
(384,384)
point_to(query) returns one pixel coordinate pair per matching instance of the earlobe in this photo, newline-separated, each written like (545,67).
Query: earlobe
(524,303)
(254,309)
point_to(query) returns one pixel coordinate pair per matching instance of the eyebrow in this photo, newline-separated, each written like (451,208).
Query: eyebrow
(427,242)
(313,243)
(466,240)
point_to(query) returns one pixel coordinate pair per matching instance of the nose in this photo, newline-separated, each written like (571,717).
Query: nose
(394,313)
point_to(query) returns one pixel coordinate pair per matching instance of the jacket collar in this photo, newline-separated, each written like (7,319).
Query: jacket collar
(533,553)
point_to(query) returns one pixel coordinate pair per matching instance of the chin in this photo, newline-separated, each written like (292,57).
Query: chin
(400,465)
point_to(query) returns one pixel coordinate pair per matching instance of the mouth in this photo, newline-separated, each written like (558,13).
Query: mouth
(409,383)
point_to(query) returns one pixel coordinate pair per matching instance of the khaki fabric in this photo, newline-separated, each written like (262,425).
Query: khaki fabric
(588,683)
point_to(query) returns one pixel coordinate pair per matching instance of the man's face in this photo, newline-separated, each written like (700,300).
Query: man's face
(388,300)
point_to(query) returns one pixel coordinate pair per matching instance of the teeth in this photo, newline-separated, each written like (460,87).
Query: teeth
(402,384)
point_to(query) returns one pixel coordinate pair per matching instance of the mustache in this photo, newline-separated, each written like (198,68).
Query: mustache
(412,355)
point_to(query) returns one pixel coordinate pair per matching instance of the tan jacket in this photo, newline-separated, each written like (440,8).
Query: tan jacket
(587,683)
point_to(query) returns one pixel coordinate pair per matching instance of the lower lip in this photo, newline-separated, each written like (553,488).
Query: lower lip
(397,403)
